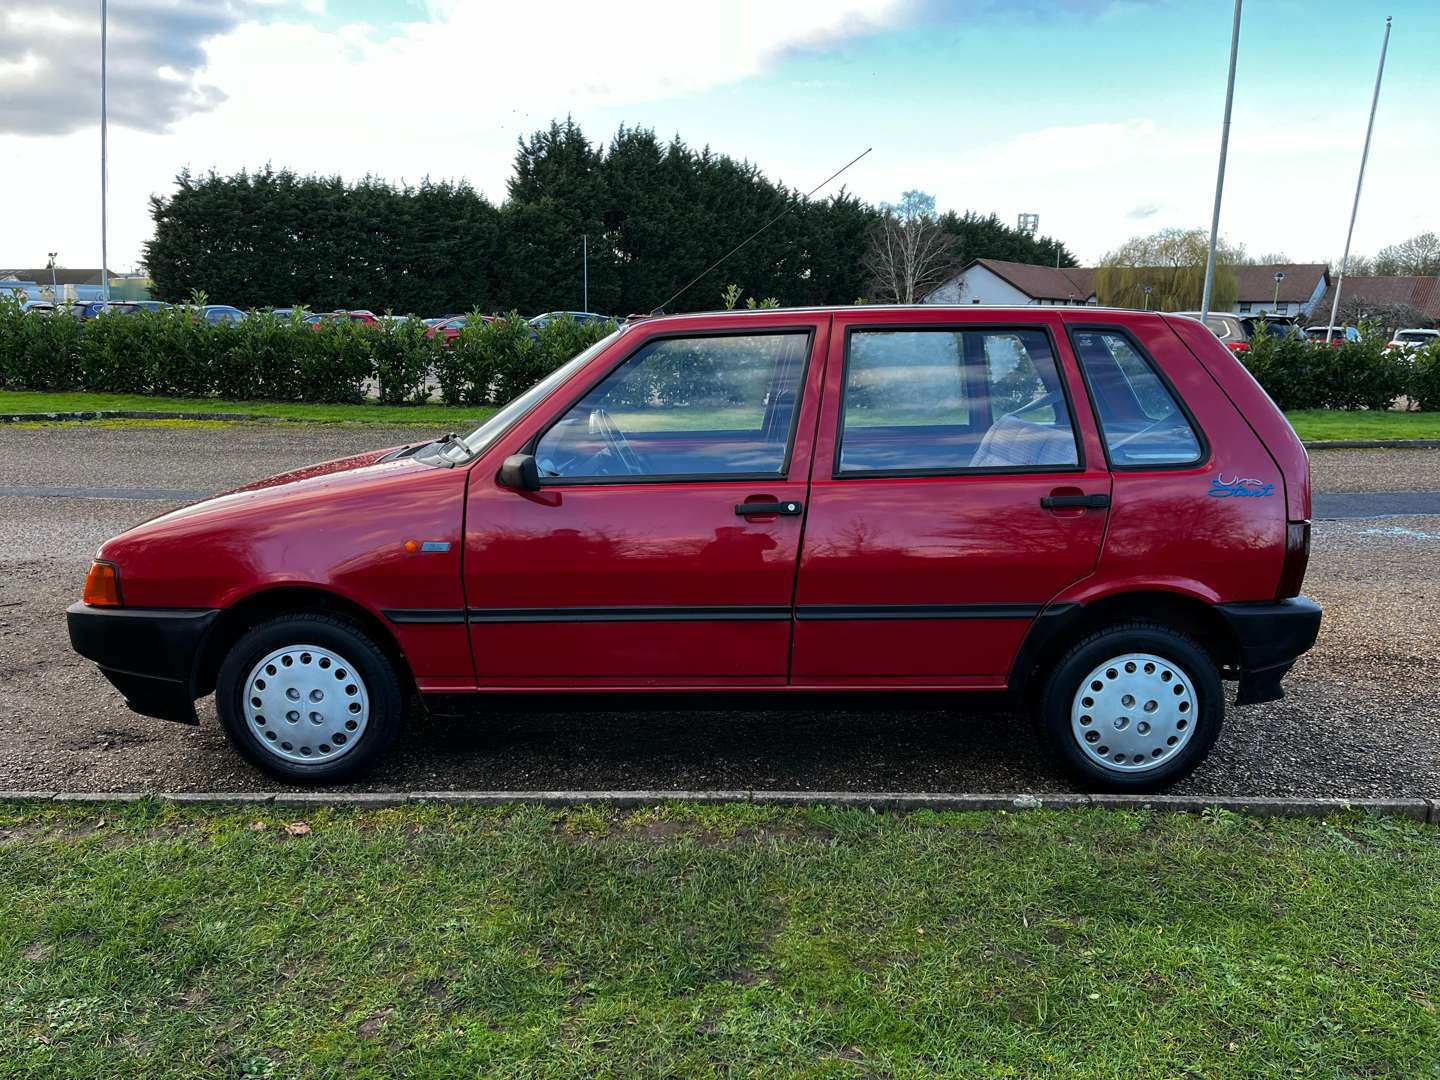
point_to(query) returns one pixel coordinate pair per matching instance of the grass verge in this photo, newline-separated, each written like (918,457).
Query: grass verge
(1316,425)
(154,940)
(18,401)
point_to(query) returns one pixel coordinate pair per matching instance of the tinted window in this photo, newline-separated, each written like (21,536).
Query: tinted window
(949,400)
(1141,421)
(705,406)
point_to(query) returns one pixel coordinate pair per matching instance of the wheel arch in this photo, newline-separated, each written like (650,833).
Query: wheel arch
(1060,625)
(265,604)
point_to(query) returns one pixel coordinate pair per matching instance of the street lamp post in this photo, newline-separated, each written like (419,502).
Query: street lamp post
(1275,304)
(54,288)
(1148,290)
(104,170)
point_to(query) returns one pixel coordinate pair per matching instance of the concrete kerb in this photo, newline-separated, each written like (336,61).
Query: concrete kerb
(1423,810)
(1373,444)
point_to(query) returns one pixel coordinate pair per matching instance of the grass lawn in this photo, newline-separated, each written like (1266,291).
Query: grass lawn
(152,940)
(1314,425)
(17,401)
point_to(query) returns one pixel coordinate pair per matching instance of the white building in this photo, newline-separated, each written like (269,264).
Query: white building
(995,282)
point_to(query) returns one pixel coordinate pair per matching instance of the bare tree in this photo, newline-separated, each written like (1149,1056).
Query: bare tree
(910,253)
(1419,256)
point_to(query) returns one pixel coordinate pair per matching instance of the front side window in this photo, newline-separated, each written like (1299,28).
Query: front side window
(698,407)
(920,401)
(1142,422)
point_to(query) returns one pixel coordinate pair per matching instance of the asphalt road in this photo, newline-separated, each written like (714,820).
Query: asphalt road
(1361,717)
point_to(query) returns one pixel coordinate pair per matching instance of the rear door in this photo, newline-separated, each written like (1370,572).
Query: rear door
(957,487)
(661,549)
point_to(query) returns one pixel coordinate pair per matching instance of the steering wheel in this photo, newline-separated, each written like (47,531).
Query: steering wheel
(602,425)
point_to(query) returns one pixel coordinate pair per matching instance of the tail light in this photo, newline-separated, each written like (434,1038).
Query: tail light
(102,585)
(1297,558)
(1238,346)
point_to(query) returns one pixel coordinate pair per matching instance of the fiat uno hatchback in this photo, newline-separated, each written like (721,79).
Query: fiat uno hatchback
(1100,511)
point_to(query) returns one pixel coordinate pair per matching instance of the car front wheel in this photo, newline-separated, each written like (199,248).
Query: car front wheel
(309,698)
(1132,708)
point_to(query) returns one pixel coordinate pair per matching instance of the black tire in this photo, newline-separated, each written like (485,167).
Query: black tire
(1053,708)
(381,682)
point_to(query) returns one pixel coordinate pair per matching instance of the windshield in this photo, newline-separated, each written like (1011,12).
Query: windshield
(481,438)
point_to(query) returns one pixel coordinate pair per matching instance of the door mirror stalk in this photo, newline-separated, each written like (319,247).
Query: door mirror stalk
(521,472)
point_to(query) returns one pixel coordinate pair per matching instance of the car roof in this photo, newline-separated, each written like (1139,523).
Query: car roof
(985,312)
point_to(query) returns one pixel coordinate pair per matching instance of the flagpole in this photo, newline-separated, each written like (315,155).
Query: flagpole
(1209,290)
(1360,181)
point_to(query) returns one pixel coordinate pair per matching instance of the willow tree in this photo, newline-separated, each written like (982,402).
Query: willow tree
(1171,265)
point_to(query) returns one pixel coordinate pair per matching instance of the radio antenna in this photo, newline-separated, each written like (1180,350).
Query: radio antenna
(661,309)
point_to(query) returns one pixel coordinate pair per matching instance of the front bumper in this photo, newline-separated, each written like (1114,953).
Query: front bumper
(1271,635)
(148,653)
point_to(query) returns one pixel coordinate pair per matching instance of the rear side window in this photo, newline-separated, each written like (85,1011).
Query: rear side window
(685,408)
(919,401)
(1142,422)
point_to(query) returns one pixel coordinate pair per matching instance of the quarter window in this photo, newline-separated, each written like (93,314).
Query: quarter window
(953,401)
(684,407)
(1142,422)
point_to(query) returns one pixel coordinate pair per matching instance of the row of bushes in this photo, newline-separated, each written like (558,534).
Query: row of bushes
(171,352)
(1353,375)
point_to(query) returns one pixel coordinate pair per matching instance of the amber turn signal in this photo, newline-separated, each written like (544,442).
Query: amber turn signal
(102,585)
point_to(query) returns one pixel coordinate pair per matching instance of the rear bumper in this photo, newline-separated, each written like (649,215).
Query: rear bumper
(148,653)
(1271,635)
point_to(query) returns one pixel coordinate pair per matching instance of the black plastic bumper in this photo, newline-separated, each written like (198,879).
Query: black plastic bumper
(148,653)
(1271,636)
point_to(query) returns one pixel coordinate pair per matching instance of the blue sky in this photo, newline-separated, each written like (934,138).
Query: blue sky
(1103,117)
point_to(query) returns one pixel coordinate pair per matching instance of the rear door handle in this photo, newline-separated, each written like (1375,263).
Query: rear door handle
(1075,502)
(789,508)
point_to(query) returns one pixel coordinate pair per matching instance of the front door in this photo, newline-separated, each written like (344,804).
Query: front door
(956,490)
(661,548)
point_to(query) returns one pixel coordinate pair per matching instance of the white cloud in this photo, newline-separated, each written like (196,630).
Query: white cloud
(445,97)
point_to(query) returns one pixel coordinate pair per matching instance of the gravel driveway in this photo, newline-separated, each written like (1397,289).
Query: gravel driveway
(1361,718)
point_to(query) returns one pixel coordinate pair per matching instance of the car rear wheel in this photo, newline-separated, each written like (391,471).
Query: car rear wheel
(309,698)
(1132,708)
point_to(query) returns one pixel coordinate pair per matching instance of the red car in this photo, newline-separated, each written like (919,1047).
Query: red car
(449,330)
(1098,510)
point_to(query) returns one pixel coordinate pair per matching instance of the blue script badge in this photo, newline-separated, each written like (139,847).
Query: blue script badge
(1221,488)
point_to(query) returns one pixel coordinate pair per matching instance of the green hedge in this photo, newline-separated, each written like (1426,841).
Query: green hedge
(265,358)
(1353,375)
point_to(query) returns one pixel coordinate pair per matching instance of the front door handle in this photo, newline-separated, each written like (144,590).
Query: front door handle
(789,508)
(1075,502)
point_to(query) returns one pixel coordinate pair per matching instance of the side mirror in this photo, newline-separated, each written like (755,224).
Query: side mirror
(521,472)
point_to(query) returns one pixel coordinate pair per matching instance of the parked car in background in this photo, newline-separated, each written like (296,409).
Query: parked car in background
(1340,334)
(287,312)
(215,314)
(366,317)
(1406,340)
(1237,331)
(1230,329)
(1099,511)
(579,316)
(447,331)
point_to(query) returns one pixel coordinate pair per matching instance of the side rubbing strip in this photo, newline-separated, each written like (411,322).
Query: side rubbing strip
(425,615)
(917,611)
(628,614)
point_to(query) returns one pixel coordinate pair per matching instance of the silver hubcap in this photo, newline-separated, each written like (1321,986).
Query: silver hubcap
(1134,712)
(304,704)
